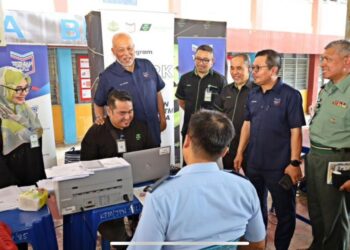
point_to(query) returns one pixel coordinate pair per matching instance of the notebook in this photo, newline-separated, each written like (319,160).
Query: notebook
(149,164)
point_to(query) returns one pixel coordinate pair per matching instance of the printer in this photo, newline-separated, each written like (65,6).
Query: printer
(100,183)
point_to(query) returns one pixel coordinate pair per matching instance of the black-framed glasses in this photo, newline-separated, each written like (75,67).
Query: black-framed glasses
(256,68)
(19,90)
(202,60)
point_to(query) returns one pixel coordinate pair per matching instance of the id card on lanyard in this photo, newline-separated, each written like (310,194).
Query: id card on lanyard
(34,141)
(207,95)
(121,144)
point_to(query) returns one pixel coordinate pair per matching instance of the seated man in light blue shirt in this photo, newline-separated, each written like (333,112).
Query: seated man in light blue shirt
(202,203)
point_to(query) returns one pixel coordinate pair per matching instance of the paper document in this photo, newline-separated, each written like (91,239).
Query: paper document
(46,184)
(336,166)
(140,194)
(114,162)
(67,171)
(9,198)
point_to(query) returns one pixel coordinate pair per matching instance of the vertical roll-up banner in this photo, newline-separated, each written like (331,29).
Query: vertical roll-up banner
(153,35)
(2,30)
(33,60)
(188,47)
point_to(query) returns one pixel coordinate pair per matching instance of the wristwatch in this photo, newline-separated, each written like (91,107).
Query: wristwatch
(295,163)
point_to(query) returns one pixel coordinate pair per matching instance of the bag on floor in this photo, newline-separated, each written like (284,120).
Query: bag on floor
(71,155)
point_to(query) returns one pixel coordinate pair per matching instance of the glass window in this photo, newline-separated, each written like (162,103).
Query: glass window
(295,70)
(54,87)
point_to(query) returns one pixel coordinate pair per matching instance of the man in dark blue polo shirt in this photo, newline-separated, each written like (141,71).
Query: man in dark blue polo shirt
(140,79)
(199,88)
(272,127)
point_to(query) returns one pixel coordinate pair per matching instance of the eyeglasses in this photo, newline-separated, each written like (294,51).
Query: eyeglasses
(202,60)
(257,68)
(19,90)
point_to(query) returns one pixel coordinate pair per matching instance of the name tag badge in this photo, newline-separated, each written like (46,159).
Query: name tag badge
(207,95)
(121,146)
(34,141)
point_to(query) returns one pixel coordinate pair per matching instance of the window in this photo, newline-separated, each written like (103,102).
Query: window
(295,69)
(55,98)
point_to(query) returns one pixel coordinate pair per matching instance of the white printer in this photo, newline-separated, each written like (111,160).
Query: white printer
(100,183)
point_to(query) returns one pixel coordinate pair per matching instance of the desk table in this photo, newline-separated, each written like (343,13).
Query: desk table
(36,228)
(80,229)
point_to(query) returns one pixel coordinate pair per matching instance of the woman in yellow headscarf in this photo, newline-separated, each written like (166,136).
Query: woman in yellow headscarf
(21,160)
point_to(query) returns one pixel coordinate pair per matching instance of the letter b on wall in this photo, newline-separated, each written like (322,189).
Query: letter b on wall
(70,30)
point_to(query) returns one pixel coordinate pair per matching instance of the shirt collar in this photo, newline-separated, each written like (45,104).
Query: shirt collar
(120,69)
(277,87)
(343,85)
(211,72)
(249,84)
(198,168)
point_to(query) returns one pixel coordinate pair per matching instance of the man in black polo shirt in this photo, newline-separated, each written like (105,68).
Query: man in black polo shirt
(119,133)
(232,101)
(198,89)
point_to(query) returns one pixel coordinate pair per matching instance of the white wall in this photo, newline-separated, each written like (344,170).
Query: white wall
(235,12)
(29,5)
(287,15)
(277,15)
(85,6)
(333,21)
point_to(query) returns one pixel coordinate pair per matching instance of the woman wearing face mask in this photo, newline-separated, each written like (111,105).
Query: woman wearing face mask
(21,160)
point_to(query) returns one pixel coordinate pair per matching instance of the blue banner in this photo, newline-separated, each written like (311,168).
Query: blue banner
(187,50)
(32,60)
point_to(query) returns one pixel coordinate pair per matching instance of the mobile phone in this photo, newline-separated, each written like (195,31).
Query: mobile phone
(286,182)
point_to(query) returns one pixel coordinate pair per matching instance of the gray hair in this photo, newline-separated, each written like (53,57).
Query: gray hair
(342,46)
(245,57)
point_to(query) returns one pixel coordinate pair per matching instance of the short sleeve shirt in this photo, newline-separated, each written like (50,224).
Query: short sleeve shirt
(98,142)
(181,208)
(143,85)
(198,93)
(272,115)
(330,125)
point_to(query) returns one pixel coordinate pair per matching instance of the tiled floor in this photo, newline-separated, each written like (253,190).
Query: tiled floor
(301,239)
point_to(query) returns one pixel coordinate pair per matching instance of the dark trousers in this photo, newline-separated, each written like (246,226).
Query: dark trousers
(329,208)
(284,203)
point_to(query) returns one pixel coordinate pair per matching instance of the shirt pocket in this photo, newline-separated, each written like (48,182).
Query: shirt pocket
(189,93)
(337,116)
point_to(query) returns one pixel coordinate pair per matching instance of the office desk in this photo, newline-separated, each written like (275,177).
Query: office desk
(36,228)
(80,229)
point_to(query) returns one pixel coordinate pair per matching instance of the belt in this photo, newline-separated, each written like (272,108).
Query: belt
(325,148)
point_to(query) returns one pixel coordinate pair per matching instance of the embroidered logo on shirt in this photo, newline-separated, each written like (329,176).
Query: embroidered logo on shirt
(123,83)
(277,101)
(340,104)
(138,137)
(254,101)
(145,74)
